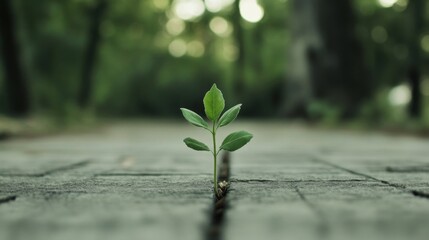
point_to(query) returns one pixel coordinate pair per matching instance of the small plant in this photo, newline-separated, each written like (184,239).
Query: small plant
(213,106)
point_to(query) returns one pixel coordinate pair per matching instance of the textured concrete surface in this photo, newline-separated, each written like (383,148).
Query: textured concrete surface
(139,181)
(297,183)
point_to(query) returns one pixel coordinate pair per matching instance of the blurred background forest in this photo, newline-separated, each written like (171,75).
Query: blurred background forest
(324,61)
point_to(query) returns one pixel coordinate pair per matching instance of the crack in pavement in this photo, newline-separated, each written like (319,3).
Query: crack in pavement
(215,229)
(8,199)
(420,194)
(410,169)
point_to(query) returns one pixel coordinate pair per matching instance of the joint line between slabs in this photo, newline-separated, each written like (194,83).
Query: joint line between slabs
(309,204)
(67,167)
(51,171)
(348,170)
(415,193)
(323,227)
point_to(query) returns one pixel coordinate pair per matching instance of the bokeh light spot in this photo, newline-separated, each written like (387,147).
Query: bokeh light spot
(379,34)
(425,43)
(220,26)
(215,6)
(177,48)
(195,49)
(387,3)
(175,26)
(188,9)
(400,5)
(425,86)
(251,11)
(400,95)
(160,4)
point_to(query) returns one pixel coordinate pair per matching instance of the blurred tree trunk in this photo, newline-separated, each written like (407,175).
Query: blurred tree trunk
(89,61)
(304,38)
(325,58)
(239,70)
(417,9)
(17,95)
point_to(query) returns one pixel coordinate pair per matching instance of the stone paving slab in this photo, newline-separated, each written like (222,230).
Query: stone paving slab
(327,185)
(138,181)
(363,211)
(108,208)
(284,167)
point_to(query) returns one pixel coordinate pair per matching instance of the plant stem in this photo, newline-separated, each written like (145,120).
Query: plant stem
(214,158)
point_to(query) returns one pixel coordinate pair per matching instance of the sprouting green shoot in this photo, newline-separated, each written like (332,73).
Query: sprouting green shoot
(214,104)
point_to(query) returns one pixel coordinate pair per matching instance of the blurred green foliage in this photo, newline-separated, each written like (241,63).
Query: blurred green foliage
(140,72)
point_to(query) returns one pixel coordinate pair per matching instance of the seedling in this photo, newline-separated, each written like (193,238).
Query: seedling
(213,106)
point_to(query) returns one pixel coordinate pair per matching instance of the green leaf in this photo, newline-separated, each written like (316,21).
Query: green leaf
(213,103)
(196,145)
(229,115)
(236,140)
(194,118)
